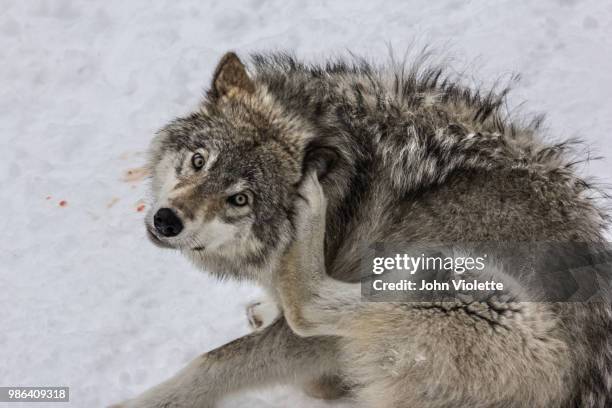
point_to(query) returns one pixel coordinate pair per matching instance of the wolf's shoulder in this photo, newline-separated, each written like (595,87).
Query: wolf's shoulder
(417,119)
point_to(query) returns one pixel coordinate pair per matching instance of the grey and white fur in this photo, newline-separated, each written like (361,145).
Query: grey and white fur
(286,169)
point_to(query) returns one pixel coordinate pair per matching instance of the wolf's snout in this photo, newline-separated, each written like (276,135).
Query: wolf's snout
(167,222)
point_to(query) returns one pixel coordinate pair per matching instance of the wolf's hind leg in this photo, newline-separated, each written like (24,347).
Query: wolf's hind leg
(312,302)
(404,352)
(273,355)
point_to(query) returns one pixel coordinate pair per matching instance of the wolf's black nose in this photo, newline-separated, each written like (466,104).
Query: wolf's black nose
(167,223)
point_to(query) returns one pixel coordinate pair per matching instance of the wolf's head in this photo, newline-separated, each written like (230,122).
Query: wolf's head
(224,178)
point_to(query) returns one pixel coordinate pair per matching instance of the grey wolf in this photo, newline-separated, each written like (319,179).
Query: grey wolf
(285,168)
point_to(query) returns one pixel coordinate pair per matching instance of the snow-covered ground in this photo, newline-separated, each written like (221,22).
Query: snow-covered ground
(86,300)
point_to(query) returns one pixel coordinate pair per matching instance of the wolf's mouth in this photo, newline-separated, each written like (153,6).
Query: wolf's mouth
(158,242)
(162,244)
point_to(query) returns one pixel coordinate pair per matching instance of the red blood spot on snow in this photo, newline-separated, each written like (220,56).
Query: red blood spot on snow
(135,175)
(63,203)
(140,208)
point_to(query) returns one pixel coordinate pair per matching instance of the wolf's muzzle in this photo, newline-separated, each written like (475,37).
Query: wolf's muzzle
(167,223)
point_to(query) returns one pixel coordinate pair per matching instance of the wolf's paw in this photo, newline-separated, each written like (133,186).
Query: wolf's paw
(262,313)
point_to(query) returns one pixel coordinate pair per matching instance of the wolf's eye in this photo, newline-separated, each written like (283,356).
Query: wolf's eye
(197,161)
(239,200)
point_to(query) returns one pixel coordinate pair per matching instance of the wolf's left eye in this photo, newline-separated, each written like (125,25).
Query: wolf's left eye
(197,161)
(239,200)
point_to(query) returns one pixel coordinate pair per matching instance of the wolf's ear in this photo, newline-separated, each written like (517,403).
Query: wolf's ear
(321,159)
(231,77)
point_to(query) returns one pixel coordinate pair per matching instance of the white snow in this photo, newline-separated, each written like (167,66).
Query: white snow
(86,300)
